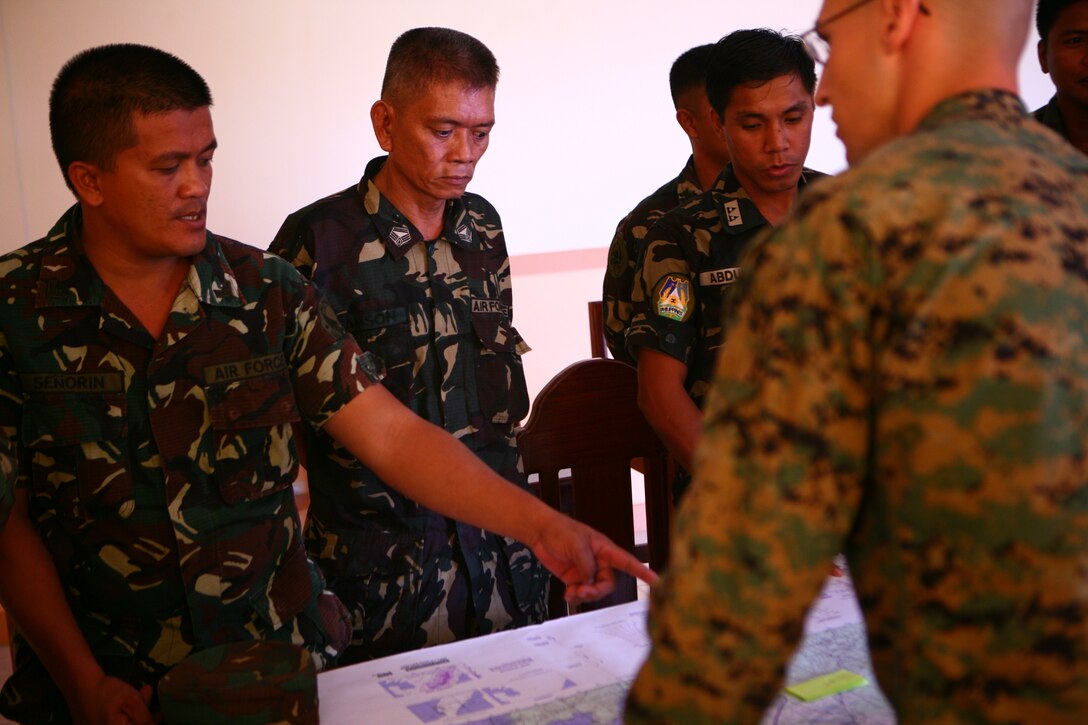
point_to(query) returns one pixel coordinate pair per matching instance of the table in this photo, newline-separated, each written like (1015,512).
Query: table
(577,670)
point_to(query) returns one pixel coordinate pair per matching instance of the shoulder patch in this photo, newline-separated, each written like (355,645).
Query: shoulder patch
(672,297)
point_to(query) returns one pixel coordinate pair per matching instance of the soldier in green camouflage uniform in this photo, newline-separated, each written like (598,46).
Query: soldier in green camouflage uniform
(689,259)
(906,379)
(159,474)
(709,153)
(151,374)
(438,313)
(437,308)
(1063,54)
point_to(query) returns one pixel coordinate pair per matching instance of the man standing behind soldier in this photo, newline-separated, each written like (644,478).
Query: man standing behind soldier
(760,84)
(417,270)
(709,153)
(1063,53)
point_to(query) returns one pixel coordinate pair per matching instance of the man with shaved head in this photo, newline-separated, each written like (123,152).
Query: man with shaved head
(906,380)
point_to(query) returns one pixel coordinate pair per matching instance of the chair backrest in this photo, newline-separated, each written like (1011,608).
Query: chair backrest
(597,346)
(587,420)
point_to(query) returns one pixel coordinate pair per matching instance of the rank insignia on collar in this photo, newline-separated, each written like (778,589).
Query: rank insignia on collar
(732,213)
(400,236)
(464,234)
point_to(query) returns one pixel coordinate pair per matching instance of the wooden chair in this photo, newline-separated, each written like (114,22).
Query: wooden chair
(597,347)
(587,420)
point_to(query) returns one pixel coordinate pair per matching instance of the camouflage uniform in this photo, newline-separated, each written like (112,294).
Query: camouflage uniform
(159,472)
(689,261)
(906,376)
(439,314)
(623,254)
(693,251)
(1050,116)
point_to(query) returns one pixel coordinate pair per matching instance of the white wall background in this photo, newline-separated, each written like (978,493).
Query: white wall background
(585,123)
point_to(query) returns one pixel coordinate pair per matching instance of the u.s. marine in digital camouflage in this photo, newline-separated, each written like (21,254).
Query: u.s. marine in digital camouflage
(439,314)
(623,253)
(159,472)
(906,376)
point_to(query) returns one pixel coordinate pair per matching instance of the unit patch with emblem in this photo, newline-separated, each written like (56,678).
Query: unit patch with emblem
(672,297)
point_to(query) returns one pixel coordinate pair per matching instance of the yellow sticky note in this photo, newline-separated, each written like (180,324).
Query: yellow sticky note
(824,685)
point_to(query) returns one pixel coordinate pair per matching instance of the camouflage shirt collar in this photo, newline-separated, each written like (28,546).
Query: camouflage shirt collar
(687,183)
(743,215)
(990,103)
(1050,116)
(396,232)
(68,278)
(211,278)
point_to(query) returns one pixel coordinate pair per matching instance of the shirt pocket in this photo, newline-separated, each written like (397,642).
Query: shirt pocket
(254,447)
(500,378)
(388,334)
(78,461)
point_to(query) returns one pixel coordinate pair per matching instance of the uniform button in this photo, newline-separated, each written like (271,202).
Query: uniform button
(234,414)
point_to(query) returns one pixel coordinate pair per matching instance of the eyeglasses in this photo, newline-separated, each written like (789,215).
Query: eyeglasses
(817,47)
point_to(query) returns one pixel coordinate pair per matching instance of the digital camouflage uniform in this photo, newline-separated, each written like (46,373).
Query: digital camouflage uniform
(159,472)
(439,314)
(905,379)
(689,262)
(623,254)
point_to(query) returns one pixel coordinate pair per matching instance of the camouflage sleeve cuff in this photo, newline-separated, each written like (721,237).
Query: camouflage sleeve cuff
(672,338)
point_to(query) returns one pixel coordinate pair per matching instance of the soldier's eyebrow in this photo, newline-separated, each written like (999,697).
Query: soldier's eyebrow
(457,122)
(182,155)
(799,107)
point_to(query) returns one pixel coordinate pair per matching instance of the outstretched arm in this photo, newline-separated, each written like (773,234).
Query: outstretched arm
(33,597)
(425,463)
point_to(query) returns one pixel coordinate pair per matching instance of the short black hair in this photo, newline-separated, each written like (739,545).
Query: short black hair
(754,57)
(689,71)
(97,93)
(423,57)
(1046,14)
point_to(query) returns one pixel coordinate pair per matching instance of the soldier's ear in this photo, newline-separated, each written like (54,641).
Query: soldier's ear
(897,22)
(86,179)
(382,117)
(1041,50)
(686,119)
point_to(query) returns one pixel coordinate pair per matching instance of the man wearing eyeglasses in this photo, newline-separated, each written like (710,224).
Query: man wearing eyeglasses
(906,379)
